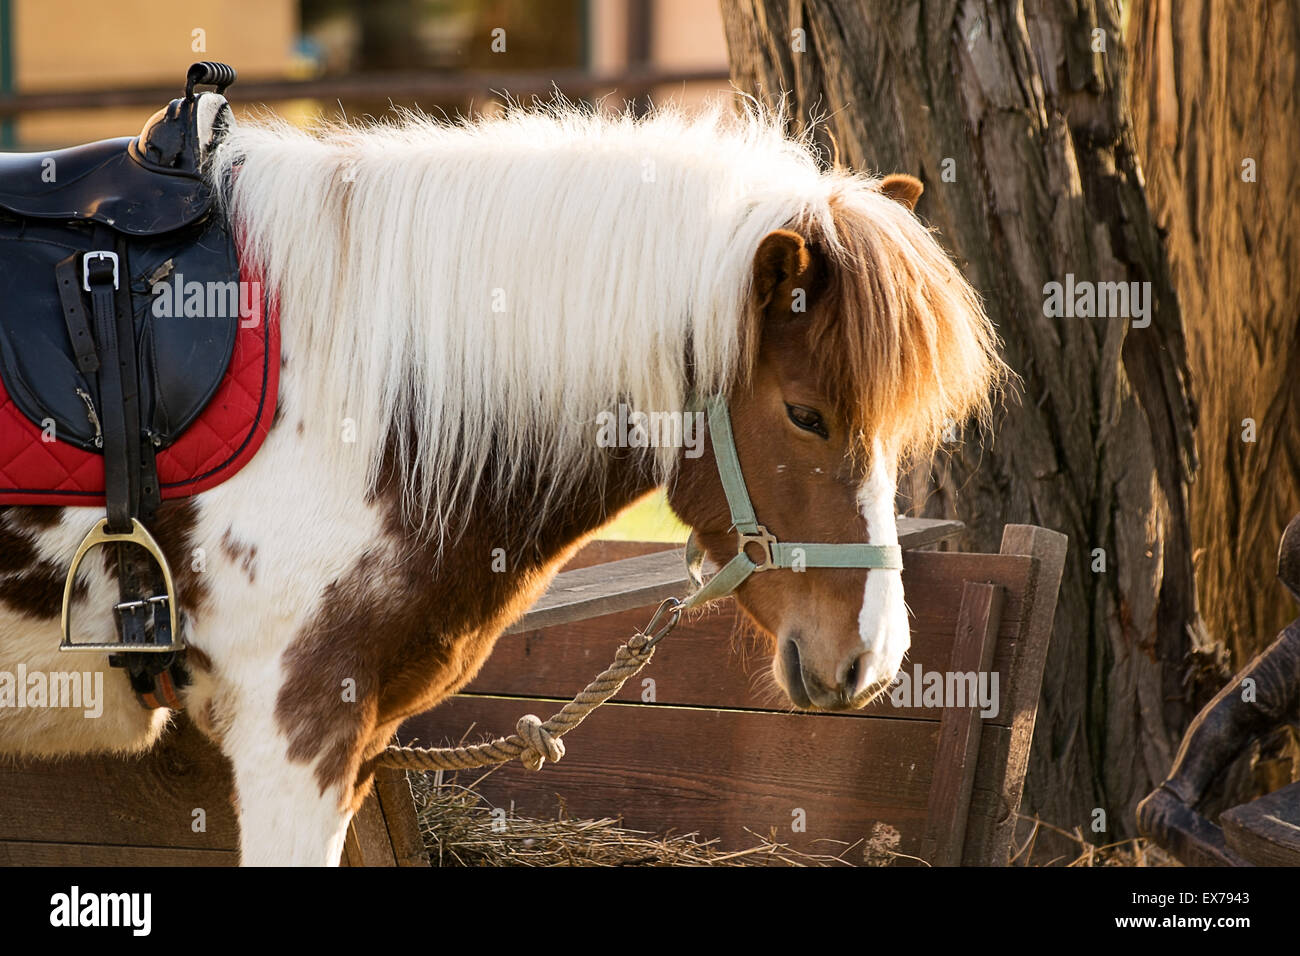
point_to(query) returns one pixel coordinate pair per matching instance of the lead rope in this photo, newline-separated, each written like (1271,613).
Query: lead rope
(535,741)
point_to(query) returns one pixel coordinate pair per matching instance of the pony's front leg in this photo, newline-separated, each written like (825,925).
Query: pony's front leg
(286,817)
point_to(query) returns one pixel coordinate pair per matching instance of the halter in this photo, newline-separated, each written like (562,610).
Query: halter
(776,554)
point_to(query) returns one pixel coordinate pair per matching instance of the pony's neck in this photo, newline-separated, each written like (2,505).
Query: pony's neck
(525,529)
(608,486)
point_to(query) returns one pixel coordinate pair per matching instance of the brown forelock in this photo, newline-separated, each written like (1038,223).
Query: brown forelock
(904,345)
(411,624)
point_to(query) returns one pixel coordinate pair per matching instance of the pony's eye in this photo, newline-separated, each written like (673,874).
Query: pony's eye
(808,419)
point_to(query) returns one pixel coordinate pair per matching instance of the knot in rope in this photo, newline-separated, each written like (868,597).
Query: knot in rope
(540,745)
(535,742)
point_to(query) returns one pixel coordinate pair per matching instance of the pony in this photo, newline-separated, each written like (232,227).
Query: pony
(459,302)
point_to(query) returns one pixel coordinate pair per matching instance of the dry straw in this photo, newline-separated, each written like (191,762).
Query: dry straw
(459,829)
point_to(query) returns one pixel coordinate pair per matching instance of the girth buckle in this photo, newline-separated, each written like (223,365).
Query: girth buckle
(98,256)
(98,536)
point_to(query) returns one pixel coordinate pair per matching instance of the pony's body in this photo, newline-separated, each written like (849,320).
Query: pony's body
(457,305)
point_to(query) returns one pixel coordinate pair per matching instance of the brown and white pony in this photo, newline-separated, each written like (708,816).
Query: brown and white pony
(459,303)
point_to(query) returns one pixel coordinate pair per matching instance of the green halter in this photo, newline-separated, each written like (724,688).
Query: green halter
(776,554)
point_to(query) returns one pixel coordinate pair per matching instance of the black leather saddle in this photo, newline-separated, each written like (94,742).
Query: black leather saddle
(119,304)
(145,200)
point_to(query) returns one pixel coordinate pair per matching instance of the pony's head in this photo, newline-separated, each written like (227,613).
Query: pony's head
(862,341)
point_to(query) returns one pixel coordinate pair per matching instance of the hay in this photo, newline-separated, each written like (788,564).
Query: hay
(459,828)
(1133,852)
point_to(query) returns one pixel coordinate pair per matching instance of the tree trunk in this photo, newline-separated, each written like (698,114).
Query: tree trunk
(1015,117)
(1213,92)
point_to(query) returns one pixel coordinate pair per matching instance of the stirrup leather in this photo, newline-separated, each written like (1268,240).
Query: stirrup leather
(98,536)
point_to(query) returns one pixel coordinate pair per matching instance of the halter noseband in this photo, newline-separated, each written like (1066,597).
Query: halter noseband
(776,554)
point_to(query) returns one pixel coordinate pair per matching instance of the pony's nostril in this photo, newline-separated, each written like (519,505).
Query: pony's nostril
(790,660)
(794,679)
(851,675)
(856,676)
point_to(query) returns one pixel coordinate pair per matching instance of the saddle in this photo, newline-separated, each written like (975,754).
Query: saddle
(122,306)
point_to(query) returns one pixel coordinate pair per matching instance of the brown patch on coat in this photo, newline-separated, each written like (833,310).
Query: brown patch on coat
(410,627)
(29,584)
(31,517)
(196,659)
(245,555)
(38,591)
(174,527)
(17,549)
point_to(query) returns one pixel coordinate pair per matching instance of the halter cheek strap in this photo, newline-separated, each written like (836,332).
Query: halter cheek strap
(749,533)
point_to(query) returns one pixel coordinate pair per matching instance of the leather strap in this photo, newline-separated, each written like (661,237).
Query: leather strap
(68,274)
(116,369)
(127,467)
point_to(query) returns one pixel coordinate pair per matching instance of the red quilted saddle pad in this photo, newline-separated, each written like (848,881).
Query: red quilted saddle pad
(222,440)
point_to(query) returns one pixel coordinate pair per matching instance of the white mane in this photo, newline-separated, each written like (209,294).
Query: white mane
(487,288)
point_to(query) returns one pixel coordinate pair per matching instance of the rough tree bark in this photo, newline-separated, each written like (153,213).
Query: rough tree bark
(1014,115)
(1214,102)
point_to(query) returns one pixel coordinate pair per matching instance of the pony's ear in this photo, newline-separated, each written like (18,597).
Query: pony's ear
(902,188)
(782,264)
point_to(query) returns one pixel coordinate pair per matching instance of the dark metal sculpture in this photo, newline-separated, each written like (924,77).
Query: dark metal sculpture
(1258,700)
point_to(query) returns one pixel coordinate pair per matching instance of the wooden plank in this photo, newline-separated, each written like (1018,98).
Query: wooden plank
(915,533)
(26,853)
(367,842)
(607,588)
(599,551)
(989,837)
(143,801)
(988,806)
(650,578)
(1266,831)
(393,791)
(103,811)
(711,660)
(959,731)
(715,772)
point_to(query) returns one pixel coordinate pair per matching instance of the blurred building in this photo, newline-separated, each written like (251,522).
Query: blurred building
(646,50)
(83,45)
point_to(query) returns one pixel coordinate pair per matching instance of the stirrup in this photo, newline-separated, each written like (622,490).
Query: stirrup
(138,535)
